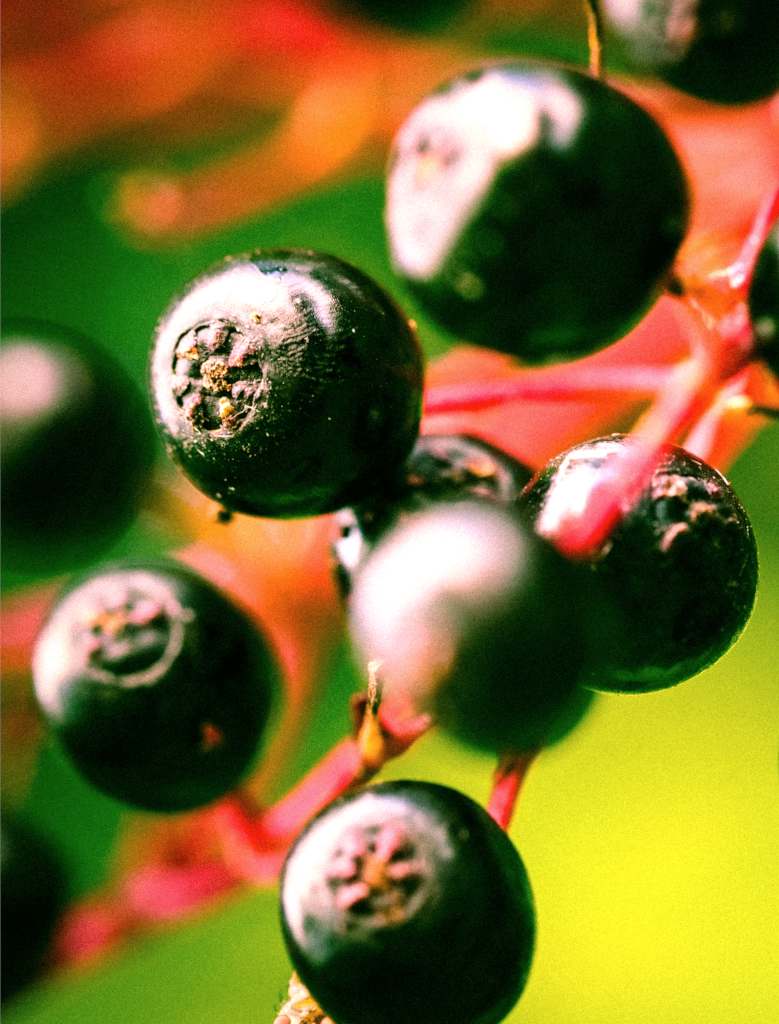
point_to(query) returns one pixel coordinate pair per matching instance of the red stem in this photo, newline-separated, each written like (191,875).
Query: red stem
(509,776)
(562,383)
(332,776)
(739,273)
(678,405)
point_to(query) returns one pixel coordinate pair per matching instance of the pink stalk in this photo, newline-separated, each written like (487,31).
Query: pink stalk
(330,778)
(510,774)
(739,273)
(563,383)
(678,405)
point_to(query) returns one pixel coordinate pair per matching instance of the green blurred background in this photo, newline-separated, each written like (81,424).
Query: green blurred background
(651,835)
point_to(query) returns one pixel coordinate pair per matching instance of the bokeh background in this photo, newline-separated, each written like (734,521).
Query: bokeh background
(651,835)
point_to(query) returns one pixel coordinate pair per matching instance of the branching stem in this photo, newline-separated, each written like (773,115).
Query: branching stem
(560,384)
(507,783)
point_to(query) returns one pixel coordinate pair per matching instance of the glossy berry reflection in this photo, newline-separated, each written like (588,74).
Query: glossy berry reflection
(680,568)
(286,383)
(406,902)
(441,468)
(726,51)
(473,619)
(534,210)
(77,448)
(158,688)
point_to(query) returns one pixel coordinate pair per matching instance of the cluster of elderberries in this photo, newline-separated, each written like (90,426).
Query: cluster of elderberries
(531,209)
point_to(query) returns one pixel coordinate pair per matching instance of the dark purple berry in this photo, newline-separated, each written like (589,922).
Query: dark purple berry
(726,51)
(157,686)
(473,619)
(286,383)
(77,448)
(764,301)
(680,569)
(33,887)
(441,468)
(534,210)
(406,902)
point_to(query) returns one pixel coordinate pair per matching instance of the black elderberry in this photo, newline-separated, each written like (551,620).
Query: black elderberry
(726,51)
(286,383)
(471,618)
(680,568)
(406,902)
(534,210)
(77,448)
(33,887)
(157,686)
(764,301)
(446,467)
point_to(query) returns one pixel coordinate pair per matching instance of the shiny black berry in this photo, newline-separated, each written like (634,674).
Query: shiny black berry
(680,568)
(406,902)
(76,452)
(286,383)
(473,619)
(726,51)
(33,887)
(441,468)
(764,301)
(157,686)
(534,210)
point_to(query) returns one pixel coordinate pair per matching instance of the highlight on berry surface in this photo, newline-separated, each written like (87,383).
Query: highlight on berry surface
(77,448)
(725,51)
(158,688)
(519,218)
(440,468)
(474,620)
(387,901)
(680,567)
(286,383)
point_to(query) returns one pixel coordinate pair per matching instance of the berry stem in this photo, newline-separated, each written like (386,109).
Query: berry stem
(252,846)
(739,273)
(507,783)
(678,405)
(595,39)
(711,436)
(341,768)
(155,894)
(251,841)
(564,383)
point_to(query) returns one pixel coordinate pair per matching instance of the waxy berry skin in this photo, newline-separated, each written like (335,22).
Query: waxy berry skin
(441,468)
(764,301)
(406,902)
(77,448)
(33,888)
(680,568)
(725,51)
(521,218)
(474,621)
(158,687)
(286,383)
